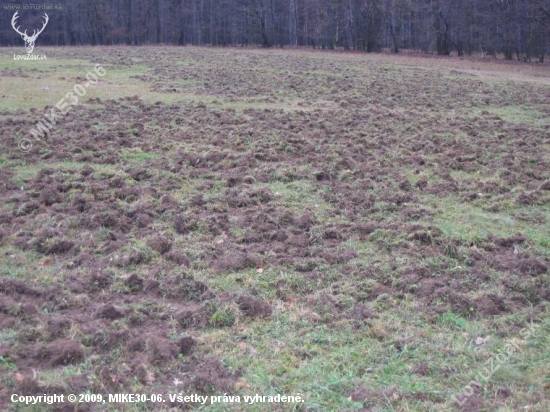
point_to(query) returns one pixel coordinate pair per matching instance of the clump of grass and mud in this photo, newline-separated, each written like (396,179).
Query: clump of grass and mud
(365,231)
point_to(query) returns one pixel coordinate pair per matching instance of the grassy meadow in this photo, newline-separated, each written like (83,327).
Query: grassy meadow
(367,231)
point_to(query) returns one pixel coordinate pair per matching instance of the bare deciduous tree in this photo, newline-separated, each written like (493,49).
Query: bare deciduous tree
(515,28)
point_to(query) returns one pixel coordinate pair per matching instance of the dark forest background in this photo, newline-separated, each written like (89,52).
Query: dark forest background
(515,28)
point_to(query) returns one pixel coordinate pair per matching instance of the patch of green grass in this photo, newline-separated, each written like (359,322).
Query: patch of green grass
(325,362)
(297,196)
(450,319)
(520,115)
(27,92)
(137,156)
(222,318)
(7,337)
(470,224)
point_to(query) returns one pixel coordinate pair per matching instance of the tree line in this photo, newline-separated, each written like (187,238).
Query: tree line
(515,28)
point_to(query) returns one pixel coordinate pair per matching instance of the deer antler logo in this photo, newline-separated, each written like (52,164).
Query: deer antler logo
(29,40)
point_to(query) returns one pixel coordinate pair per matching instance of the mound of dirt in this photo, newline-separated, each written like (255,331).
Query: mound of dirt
(254,307)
